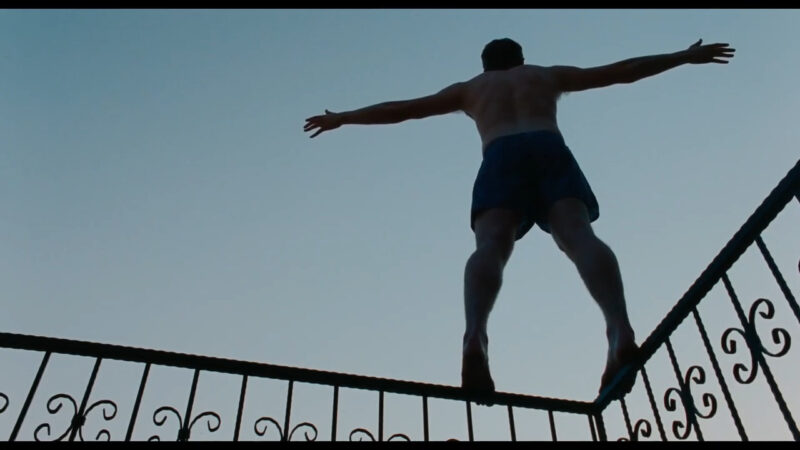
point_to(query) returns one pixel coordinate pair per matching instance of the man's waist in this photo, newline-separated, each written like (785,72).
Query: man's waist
(503,131)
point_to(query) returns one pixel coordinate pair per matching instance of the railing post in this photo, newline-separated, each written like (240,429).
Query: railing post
(511,424)
(183,433)
(29,398)
(652,400)
(425,418)
(380,416)
(138,402)
(778,277)
(601,427)
(685,395)
(469,421)
(627,419)
(335,413)
(285,436)
(725,391)
(77,421)
(757,349)
(240,410)
(552,425)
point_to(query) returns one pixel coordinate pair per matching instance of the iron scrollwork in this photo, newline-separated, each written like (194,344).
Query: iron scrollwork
(696,374)
(641,428)
(57,401)
(281,434)
(364,431)
(749,334)
(184,430)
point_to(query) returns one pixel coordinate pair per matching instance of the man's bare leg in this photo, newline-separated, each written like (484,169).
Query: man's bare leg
(483,275)
(598,267)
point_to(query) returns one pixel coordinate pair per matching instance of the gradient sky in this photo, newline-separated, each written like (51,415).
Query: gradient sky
(158,190)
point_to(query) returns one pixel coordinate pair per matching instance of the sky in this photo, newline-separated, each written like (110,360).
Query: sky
(158,191)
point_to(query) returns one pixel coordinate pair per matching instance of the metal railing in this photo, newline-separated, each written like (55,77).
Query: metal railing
(595,412)
(717,271)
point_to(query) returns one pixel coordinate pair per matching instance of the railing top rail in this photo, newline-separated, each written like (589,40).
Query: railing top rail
(223,365)
(736,246)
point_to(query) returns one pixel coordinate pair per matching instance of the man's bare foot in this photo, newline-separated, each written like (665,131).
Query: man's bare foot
(622,351)
(475,376)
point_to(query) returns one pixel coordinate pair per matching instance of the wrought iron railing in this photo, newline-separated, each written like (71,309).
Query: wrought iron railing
(595,412)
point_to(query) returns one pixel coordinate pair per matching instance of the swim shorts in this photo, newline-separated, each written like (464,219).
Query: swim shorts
(528,172)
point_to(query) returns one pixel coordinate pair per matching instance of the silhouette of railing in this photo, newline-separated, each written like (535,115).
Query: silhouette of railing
(594,411)
(748,234)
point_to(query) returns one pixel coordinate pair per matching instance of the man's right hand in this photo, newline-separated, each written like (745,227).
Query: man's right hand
(709,53)
(328,121)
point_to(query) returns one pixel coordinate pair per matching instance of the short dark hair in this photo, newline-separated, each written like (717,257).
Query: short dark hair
(501,54)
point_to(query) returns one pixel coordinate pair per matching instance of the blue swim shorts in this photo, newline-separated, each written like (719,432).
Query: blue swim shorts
(528,172)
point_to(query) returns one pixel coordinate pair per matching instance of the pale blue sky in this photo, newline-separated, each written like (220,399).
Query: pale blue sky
(158,190)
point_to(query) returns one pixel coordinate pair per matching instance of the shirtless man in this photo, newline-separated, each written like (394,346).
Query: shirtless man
(528,175)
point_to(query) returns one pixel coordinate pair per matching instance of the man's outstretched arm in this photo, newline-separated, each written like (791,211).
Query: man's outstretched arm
(449,99)
(576,79)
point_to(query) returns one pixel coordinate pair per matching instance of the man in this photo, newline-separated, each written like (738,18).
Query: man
(528,175)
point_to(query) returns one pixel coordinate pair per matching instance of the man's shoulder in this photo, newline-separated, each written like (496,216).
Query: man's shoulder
(535,70)
(520,74)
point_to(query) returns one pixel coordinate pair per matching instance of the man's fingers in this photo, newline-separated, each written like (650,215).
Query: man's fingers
(318,124)
(720,48)
(720,61)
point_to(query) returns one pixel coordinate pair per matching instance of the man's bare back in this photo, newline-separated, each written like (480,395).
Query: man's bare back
(511,101)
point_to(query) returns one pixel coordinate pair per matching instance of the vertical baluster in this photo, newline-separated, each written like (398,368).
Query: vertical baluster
(469,421)
(511,424)
(591,428)
(627,419)
(652,399)
(758,351)
(285,436)
(335,413)
(183,434)
(686,396)
(77,421)
(425,418)
(601,426)
(28,399)
(380,417)
(552,425)
(725,391)
(241,409)
(778,277)
(138,402)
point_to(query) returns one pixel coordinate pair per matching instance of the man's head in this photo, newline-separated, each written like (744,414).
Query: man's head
(501,54)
